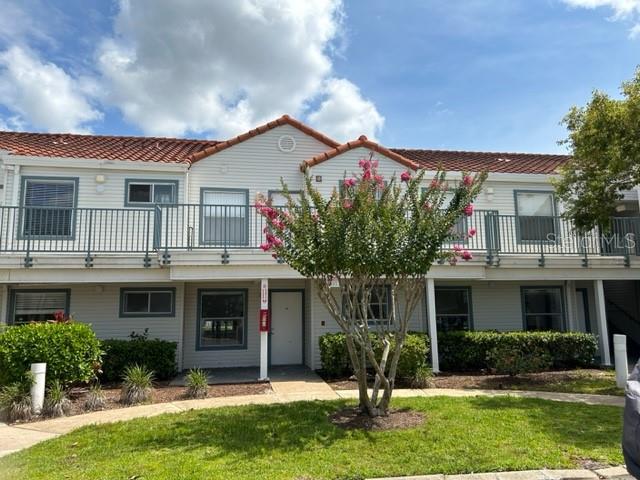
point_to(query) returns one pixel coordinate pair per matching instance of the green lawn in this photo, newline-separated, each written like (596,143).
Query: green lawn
(578,381)
(291,441)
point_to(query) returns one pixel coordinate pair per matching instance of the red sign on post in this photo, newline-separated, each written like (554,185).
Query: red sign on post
(264,320)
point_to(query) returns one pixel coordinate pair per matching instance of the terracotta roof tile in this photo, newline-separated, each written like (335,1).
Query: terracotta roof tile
(360,142)
(145,149)
(484,161)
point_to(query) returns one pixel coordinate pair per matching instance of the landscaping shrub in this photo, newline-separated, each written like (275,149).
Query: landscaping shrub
(513,359)
(71,351)
(137,385)
(197,383)
(422,378)
(96,399)
(56,402)
(335,357)
(15,399)
(159,355)
(468,351)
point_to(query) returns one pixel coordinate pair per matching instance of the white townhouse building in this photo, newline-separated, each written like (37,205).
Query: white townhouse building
(130,233)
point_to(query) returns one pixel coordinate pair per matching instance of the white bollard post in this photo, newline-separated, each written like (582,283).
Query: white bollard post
(39,371)
(620,359)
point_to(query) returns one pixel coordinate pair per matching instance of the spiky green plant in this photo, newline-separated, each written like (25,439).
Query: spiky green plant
(95,399)
(56,402)
(15,400)
(197,383)
(137,385)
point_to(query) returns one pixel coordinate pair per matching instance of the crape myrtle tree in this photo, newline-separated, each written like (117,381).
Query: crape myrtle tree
(371,238)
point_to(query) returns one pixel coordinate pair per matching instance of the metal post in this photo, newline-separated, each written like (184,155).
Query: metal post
(620,359)
(39,372)
(88,260)
(602,322)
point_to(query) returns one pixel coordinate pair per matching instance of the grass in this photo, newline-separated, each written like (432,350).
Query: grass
(460,435)
(601,382)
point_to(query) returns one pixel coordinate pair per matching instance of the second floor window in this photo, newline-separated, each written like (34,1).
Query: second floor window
(459,229)
(224,217)
(49,204)
(536,219)
(141,193)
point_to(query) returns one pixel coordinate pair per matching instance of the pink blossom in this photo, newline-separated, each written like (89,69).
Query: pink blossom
(366,175)
(374,163)
(270,238)
(435,184)
(379,179)
(457,248)
(427,206)
(277,242)
(466,255)
(259,204)
(278,224)
(467,180)
(472,232)
(364,164)
(265,246)
(468,210)
(405,176)
(350,182)
(348,204)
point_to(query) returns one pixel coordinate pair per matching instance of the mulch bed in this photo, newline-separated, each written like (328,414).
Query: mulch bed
(351,418)
(162,393)
(468,380)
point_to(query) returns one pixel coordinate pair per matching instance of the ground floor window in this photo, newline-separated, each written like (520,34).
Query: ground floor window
(37,305)
(379,304)
(542,308)
(453,308)
(149,302)
(222,319)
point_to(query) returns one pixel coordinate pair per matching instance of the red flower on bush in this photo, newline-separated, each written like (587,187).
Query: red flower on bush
(350,182)
(405,176)
(468,210)
(467,180)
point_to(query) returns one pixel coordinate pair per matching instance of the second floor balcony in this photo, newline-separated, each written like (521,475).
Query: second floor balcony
(159,231)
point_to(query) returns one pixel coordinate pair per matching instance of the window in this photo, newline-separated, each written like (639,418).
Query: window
(535,216)
(143,192)
(459,229)
(542,308)
(224,217)
(150,302)
(37,305)
(379,304)
(222,319)
(49,204)
(453,308)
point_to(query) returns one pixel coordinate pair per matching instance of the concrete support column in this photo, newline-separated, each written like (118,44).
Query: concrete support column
(433,330)
(601,311)
(264,335)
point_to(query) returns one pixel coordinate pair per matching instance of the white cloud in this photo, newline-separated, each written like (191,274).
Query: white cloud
(622,10)
(42,94)
(344,114)
(222,66)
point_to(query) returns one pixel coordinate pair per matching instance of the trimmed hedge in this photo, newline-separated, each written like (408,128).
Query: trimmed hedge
(468,351)
(71,351)
(335,357)
(157,355)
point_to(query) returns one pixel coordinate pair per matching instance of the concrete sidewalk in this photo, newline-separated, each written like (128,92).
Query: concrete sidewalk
(287,387)
(617,473)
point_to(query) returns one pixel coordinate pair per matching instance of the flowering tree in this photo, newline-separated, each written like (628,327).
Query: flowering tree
(370,238)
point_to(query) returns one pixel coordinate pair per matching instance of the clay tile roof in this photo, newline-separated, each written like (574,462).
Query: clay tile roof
(145,149)
(362,141)
(283,120)
(484,161)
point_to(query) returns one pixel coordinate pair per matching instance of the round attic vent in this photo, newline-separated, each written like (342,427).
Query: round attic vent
(286,143)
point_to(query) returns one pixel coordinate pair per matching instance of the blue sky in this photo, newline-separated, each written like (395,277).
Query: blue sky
(470,75)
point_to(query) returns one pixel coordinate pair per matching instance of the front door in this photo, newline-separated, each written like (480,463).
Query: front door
(286,328)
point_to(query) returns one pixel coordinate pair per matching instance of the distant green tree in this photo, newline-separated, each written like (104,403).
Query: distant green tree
(604,139)
(371,238)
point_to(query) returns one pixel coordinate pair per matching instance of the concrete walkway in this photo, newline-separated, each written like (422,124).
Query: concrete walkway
(618,473)
(288,386)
